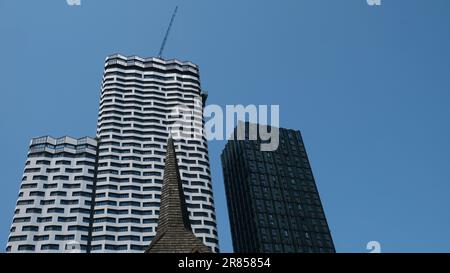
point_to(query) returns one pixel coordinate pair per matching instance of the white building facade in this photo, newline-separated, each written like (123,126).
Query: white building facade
(142,102)
(53,208)
(135,117)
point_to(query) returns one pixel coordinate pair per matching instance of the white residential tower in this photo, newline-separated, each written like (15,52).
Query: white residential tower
(103,194)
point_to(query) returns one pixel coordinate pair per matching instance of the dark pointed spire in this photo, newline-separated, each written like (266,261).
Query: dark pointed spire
(173,211)
(174,234)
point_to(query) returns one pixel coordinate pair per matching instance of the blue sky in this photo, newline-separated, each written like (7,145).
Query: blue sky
(369,88)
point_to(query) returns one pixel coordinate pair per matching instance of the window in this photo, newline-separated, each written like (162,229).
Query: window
(58,193)
(278,248)
(17,238)
(37,193)
(22,220)
(25,202)
(50,247)
(62,162)
(64,237)
(130,220)
(53,170)
(80,210)
(105,219)
(41,238)
(44,219)
(130,203)
(103,238)
(129,238)
(32,170)
(69,202)
(141,230)
(138,248)
(30,228)
(118,248)
(55,210)
(67,219)
(148,238)
(50,186)
(24,248)
(202,231)
(268,248)
(52,228)
(34,210)
(201,214)
(71,186)
(29,186)
(116,229)
(78,228)
(42,162)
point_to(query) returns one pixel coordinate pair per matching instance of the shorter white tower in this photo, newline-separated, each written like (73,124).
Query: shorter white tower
(54,204)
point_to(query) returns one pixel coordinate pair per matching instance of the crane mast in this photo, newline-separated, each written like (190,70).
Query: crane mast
(163,45)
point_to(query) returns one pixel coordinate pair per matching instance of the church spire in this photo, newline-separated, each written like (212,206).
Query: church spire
(173,211)
(174,234)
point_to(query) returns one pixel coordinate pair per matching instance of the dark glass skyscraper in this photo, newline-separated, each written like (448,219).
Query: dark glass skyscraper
(273,202)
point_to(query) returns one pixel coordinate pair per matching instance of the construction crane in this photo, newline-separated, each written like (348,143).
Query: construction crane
(161,50)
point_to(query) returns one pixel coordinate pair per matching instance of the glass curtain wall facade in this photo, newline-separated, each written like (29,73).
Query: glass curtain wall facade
(273,201)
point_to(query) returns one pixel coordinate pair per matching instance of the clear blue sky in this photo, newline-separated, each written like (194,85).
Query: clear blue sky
(369,87)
